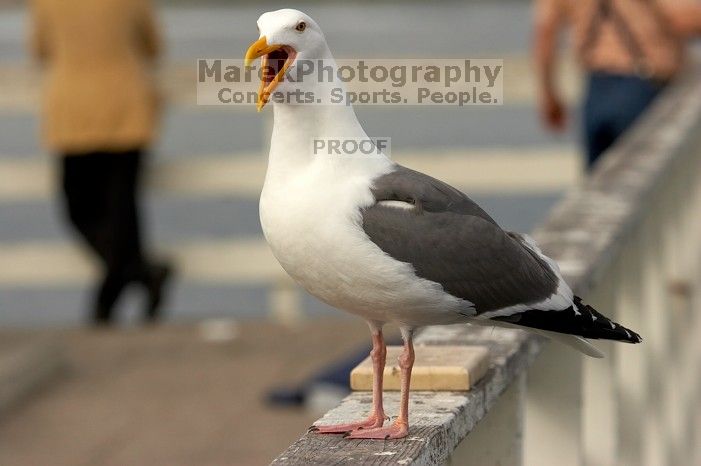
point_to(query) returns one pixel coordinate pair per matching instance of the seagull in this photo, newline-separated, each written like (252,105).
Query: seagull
(387,243)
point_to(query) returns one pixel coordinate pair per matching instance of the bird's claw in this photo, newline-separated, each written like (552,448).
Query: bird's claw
(395,431)
(368,424)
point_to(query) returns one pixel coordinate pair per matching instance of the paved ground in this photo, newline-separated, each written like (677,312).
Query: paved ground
(165,396)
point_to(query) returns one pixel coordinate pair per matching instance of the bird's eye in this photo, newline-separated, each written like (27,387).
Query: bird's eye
(301,26)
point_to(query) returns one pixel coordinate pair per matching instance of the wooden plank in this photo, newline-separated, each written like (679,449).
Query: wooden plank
(438,368)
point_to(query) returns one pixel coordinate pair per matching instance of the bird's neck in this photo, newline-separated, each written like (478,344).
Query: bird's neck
(299,130)
(297,127)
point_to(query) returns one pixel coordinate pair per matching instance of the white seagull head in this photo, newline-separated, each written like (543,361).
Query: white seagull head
(286,36)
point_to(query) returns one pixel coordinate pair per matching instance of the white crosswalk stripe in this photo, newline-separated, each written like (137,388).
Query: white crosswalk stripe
(19,84)
(493,170)
(242,261)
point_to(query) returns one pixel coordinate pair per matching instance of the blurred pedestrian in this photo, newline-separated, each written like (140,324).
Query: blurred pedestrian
(100,113)
(629,49)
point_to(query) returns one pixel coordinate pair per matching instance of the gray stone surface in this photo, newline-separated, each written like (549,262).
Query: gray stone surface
(167,396)
(26,365)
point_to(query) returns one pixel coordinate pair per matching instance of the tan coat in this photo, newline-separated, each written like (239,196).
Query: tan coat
(99,92)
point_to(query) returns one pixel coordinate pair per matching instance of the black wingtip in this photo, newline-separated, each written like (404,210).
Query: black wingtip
(606,328)
(634,337)
(581,320)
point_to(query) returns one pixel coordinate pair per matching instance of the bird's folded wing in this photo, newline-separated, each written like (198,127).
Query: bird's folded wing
(450,240)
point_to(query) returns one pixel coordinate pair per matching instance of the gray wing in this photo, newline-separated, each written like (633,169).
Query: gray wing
(450,240)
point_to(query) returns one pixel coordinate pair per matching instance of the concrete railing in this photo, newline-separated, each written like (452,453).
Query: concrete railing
(629,241)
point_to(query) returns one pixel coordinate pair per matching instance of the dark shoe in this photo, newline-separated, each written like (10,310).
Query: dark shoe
(108,292)
(159,280)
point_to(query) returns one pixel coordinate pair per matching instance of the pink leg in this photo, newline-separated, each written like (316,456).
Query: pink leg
(377,417)
(400,427)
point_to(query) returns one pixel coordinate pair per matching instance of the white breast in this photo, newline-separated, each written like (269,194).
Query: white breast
(314,228)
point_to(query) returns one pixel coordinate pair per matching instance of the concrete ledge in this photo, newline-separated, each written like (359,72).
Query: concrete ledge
(439,421)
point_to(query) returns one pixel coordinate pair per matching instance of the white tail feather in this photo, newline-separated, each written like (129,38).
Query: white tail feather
(578,343)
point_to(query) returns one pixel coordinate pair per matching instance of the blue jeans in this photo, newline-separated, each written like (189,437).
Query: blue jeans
(613,102)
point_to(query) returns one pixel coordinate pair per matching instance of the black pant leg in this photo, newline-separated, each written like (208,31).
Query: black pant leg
(102,202)
(83,181)
(101,198)
(124,258)
(126,253)
(597,116)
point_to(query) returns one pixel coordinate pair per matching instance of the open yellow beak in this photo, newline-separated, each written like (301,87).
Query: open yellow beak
(268,83)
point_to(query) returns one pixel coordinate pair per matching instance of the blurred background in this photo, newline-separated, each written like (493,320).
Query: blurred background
(196,388)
